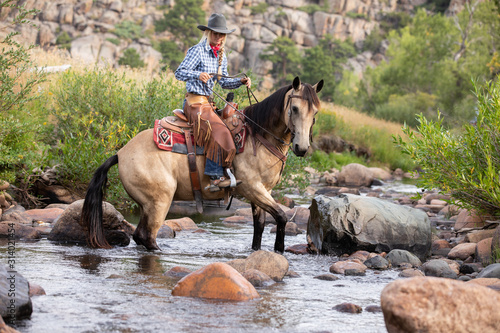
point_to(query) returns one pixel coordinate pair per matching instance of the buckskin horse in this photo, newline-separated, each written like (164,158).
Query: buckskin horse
(153,177)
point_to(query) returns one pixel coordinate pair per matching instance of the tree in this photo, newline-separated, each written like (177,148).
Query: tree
(285,56)
(171,53)
(324,62)
(131,58)
(182,21)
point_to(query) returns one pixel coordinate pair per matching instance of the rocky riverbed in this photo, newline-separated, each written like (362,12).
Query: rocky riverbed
(310,293)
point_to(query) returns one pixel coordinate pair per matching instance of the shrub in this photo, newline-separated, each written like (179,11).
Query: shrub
(128,30)
(259,9)
(131,58)
(465,165)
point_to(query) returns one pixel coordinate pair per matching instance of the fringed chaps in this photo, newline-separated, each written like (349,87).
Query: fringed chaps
(210,132)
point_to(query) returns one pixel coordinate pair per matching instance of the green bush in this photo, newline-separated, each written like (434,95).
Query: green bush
(465,165)
(128,30)
(97,113)
(131,58)
(260,8)
(64,40)
(404,108)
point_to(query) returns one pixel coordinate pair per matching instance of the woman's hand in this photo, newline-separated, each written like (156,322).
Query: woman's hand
(204,77)
(246,81)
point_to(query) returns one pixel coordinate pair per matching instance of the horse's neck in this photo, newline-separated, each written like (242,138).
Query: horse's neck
(279,135)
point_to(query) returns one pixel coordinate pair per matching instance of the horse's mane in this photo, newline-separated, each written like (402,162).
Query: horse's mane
(267,114)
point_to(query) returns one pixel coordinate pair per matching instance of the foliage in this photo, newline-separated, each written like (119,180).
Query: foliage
(19,77)
(293,175)
(64,40)
(98,112)
(171,53)
(313,8)
(322,161)
(324,62)
(260,8)
(465,165)
(128,30)
(114,41)
(182,21)
(400,108)
(131,58)
(354,15)
(285,56)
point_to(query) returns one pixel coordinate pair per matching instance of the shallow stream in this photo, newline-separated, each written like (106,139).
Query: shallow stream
(124,290)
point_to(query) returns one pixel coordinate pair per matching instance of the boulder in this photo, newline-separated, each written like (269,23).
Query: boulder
(377,262)
(423,304)
(355,175)
(483,251)
(181,224)
(13,283)
(438,268)
(18,231)
(47,215)
(340,267)
(468,219)
(462,251)
(491,271)
(165,232)
(4,328)
(298,249)
(273,264)
(410,272)
(348,223)
(398,257)
(216,281)
(68,229)
(348,308)
(257,278)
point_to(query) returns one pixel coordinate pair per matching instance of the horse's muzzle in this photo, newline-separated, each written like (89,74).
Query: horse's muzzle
(298,151)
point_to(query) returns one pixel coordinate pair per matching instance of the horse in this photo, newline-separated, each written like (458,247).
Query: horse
(154,178)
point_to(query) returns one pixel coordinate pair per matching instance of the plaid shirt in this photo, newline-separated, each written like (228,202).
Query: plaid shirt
(200,58)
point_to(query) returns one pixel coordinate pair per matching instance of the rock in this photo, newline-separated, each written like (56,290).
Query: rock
(469,268)
(348,308)
(438,268)
(466,219)
(216,281)
(424,304)
(16,214)
(68,228)
(381,174)
(491,271)
(476,236)
(410,272)
(354,272)
(54,193)
(165,232)
(273,264)
(355,175)
(299,215)
(493,283)
(398,257)
(257,278)
(483,251)
(298,249)
(18,231)
(373,309)
(360,255)
(462,251)
(177,272)
(327,277)
(35,290)
(19,305)
(237,220)
(47,215)
(348,223)
(4,185)
(440,246)
(291,229)
(340,267)
(377,262)
(4,328)
(181,224)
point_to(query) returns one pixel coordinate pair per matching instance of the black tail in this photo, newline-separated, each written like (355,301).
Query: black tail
(92,207)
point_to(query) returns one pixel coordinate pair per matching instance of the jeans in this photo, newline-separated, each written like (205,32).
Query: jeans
(213,169)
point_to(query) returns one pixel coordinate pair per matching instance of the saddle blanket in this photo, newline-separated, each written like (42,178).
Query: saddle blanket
(175,142)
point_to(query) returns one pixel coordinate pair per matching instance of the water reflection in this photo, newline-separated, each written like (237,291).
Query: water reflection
(150,265)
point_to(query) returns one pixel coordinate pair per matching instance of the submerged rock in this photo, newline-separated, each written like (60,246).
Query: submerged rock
(348,223)
(14,295)
(426,304)
(273,264)
(348,307)
(216,281)
(257,278)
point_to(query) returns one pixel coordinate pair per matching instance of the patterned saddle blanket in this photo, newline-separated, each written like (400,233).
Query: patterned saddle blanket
(168,135)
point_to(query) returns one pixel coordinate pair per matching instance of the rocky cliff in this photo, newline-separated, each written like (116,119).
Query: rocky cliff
(91,24)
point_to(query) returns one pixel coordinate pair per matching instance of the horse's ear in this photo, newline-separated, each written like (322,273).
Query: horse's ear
(296,83)
(318,86)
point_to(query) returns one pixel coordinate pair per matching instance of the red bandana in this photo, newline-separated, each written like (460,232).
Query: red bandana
(215,49)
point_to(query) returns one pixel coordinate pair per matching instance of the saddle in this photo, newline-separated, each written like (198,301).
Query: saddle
(179,124)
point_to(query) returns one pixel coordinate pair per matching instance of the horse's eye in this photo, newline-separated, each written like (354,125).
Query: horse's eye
(295,109)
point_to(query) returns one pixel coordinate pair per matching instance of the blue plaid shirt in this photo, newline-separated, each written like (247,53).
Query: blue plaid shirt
(200,58)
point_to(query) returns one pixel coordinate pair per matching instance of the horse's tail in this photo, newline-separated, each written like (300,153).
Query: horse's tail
(92,207)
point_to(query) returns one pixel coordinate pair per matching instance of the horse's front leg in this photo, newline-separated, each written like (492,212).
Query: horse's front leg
(266,203)
(259,221)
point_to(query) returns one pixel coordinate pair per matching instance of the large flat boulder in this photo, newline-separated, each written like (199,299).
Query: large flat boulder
(347,223)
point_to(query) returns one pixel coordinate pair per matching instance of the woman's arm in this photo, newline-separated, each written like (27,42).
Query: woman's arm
(186,70)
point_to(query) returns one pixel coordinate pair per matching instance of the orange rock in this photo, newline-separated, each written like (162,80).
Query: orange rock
(48,215)
(216,281)
(184,223)
(467,219)
(483,251)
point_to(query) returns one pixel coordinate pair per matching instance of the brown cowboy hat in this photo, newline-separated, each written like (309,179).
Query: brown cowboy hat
(217,23)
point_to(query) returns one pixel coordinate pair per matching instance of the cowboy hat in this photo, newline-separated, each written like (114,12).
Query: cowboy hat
(217,23)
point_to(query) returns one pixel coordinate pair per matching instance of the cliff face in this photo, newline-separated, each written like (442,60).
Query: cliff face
(90,25)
